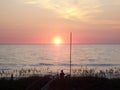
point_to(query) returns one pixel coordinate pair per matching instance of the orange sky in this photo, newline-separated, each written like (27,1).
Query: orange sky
(40,21)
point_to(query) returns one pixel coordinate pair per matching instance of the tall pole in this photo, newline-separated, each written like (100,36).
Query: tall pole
(70,50)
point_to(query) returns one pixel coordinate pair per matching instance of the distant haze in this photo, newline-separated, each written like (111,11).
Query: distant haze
(40,21)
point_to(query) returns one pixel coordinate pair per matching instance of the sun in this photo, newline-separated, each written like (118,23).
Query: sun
(57,41)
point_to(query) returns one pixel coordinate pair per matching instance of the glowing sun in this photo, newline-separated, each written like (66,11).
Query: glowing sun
(57,41)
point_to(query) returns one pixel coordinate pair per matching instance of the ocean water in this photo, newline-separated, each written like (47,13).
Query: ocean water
(56,57)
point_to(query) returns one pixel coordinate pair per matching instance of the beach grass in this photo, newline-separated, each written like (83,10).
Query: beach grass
(82,79)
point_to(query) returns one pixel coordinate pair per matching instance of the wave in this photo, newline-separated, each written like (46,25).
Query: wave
(47,64)
(50,65)
(42,64)
(11,64)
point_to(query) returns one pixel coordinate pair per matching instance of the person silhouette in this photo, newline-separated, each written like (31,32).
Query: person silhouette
(62,74)
(11,77)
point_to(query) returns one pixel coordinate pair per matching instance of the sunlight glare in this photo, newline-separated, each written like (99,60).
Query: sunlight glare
(57,41)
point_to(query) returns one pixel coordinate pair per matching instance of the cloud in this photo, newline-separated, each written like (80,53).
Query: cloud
(83,10)
(31,2)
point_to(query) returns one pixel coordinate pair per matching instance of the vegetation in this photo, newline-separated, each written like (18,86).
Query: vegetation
(82,79)
(113,72)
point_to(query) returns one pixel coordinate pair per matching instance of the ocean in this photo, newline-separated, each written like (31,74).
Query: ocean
(56,57)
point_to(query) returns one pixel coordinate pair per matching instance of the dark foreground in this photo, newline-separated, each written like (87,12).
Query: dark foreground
(85,83)
(30,83)
(75,83)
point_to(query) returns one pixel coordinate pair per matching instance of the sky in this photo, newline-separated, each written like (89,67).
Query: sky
(41,21)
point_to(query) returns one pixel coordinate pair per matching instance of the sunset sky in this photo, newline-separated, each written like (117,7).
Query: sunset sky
(41,21)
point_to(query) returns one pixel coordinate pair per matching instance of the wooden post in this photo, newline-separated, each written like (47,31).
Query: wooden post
(70,50)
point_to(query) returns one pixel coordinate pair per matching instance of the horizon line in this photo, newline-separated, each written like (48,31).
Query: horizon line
(51,43)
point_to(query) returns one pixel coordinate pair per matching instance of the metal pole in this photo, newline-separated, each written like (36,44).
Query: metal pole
(70,50)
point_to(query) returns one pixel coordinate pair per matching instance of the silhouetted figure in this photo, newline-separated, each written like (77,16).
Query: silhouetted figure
(11,77)
(62,74)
